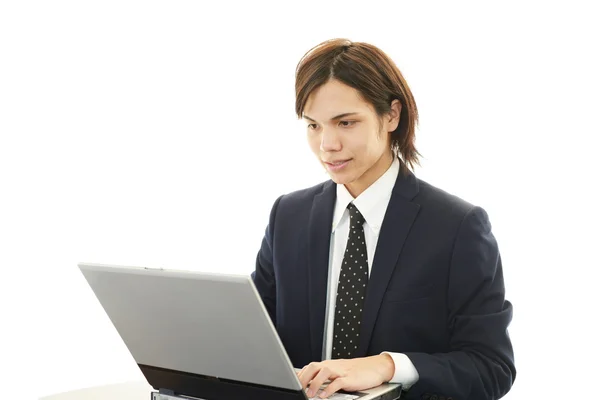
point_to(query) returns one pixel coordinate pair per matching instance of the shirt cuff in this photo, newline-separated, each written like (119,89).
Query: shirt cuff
(405,372)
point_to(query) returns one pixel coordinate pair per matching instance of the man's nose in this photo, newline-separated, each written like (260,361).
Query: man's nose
(330,140)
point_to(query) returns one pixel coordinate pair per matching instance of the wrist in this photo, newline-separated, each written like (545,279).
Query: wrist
(388,367)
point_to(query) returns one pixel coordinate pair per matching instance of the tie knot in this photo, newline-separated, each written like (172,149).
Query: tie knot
(355,215)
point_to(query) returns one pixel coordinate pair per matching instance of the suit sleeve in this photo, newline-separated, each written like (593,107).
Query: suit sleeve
(264,273)
(480,364)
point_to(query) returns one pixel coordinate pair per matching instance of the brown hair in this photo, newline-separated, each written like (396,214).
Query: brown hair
(373,74)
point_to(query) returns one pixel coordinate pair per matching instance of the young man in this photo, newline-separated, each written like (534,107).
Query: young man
(376,276)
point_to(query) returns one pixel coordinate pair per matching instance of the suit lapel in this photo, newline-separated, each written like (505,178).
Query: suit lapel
(319,237)
(398,220)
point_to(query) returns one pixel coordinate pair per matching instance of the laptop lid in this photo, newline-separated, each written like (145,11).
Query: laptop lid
(192,330)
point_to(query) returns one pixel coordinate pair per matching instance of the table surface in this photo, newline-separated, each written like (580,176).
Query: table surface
(137,390)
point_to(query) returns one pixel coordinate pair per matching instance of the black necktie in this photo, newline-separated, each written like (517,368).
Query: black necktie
(351,291)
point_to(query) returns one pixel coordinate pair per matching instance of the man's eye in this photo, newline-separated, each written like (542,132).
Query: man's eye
(312,126)
(347,124)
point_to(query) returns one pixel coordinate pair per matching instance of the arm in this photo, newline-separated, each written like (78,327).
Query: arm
(480,364)
(264,274)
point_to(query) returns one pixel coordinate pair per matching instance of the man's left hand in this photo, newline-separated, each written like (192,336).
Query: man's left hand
(350,375)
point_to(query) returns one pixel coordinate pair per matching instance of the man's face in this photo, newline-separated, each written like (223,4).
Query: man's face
(345,134)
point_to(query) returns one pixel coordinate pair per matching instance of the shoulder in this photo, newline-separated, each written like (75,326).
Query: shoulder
(439,206)
(444,217)
(304,197)
(299,202)
(433,196)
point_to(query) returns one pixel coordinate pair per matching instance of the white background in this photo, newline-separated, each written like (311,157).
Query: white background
(160,133)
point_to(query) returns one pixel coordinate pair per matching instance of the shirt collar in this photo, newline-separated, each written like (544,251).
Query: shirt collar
(372,203)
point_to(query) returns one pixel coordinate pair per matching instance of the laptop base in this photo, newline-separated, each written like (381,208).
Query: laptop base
(194,386)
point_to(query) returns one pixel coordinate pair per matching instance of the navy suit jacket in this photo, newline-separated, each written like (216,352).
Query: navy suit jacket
(435,292)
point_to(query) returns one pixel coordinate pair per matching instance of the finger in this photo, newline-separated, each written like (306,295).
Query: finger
(308,373)
(334,386)
(324,374)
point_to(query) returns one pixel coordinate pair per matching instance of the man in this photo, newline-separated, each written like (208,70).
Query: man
(376,276)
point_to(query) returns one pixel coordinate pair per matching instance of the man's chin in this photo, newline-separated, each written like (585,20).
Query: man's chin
(340,179)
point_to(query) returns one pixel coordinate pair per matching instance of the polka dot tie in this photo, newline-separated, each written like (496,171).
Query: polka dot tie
(352,287)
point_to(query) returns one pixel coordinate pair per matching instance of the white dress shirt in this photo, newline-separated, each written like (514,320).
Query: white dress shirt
(372,204)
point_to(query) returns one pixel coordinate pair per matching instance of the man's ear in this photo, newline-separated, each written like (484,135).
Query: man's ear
(392,119)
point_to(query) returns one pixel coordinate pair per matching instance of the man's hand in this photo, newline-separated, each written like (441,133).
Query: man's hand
(350,375)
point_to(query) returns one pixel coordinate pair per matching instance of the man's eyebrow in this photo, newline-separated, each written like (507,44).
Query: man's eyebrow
(340,116)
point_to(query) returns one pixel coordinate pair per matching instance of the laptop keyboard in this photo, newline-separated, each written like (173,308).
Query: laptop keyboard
(337,396)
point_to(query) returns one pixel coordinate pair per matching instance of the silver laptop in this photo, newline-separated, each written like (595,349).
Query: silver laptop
(201,335)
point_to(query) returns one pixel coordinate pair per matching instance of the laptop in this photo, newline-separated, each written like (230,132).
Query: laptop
(202,335)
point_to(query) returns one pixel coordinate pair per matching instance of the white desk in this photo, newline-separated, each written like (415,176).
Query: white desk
(139,390)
